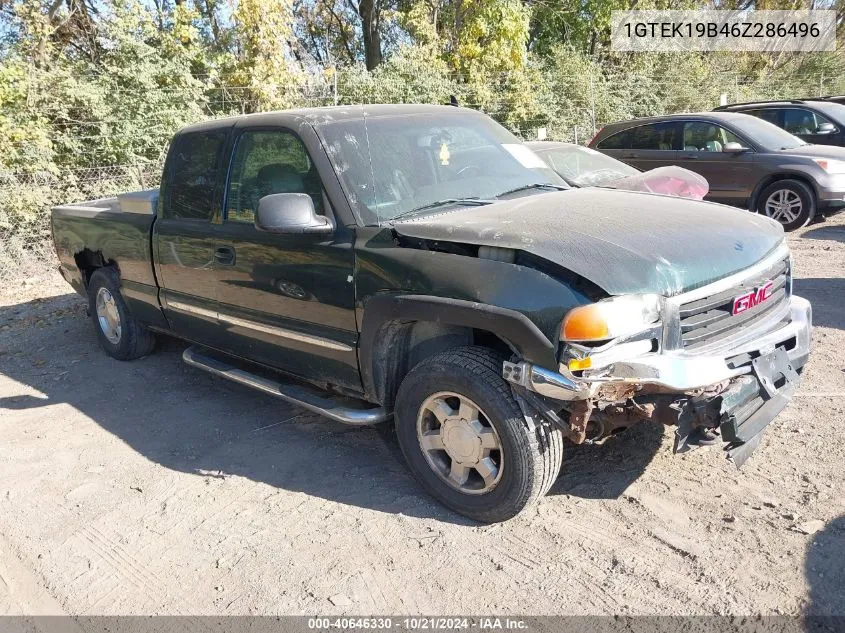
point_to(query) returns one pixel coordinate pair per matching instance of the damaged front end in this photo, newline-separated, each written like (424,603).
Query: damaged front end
(700,365)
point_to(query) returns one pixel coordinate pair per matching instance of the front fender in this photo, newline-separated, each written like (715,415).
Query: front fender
(511,326)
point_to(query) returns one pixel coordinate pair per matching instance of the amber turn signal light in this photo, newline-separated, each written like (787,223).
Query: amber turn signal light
(611,318)
(585,324)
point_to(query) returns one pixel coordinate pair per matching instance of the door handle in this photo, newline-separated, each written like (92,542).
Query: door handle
(631,155)
(691,156)
(224,255)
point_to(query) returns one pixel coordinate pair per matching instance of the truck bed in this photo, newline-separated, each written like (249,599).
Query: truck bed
(139,202)
(114,230)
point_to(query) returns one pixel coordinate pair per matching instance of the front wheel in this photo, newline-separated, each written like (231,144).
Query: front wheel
(790,202)
(466,440)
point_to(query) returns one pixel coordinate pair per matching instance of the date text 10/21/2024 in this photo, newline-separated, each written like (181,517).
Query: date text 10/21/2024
(417,623)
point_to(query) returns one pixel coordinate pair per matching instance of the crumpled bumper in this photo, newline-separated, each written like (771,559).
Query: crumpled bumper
(678,371)
(759,367)
(751,402)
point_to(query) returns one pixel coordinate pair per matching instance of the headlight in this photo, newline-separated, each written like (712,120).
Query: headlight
(830,165)
(611,318)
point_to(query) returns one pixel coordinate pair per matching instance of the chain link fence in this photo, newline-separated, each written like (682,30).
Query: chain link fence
(26,198)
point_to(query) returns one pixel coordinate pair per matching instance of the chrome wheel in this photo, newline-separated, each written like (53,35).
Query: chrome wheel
(784,205)
(459,443)
(108,316)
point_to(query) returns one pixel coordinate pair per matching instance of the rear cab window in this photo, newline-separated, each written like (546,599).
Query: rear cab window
(193,175)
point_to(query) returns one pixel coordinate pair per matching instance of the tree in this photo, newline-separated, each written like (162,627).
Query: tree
(483,44)
(328,30)
(370,12)
(345,31)
(261,62)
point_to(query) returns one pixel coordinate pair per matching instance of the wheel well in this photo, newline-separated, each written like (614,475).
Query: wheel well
(402,345)
(87,261)
(768,180)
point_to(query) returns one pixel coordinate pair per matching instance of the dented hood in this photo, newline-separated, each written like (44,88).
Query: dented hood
(623,242)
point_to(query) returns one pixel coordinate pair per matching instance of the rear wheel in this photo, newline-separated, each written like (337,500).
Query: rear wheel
(790,202)
(466,440)
(120,335)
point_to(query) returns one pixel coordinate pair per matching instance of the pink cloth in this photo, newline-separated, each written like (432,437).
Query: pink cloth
(669,181)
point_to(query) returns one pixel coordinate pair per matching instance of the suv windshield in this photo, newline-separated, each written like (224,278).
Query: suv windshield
(585,167)
(765,134)
(394,165)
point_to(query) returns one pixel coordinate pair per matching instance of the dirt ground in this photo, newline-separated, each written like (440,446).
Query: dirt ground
(152,488)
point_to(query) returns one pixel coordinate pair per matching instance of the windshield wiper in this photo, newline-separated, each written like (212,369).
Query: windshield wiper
(535,185)
(443,203)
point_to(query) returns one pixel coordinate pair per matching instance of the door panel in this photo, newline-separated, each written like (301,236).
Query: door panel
(288,302)
(652,146)
(183,235)
(188,279)
(648,159)
(285,300)
(823,139)
(729,175)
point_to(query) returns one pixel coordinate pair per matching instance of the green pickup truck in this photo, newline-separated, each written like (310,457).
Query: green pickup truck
(420,264)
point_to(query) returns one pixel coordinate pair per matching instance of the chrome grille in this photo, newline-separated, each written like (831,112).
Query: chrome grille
(709,319)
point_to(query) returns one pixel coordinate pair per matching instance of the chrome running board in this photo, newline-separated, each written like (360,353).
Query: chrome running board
(306,397)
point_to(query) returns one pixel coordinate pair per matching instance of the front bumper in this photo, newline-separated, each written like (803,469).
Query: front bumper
(677,370)
(739,385)
(747,407)
(831,189)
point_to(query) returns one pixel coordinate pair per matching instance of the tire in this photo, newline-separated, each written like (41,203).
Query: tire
(131,340)
(528,460)
(793,191)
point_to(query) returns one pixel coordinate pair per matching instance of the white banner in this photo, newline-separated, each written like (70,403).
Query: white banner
(672,31)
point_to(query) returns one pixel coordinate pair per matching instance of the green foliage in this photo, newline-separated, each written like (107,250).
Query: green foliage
(80,87)
(413,74)
(88,84)
(24,131)
(262,63)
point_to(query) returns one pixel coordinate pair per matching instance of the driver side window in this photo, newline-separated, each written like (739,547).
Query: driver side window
(267,162)
(700,136)
(801,121)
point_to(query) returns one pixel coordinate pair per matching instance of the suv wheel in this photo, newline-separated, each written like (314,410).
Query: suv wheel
(120,335)
(790,202)
(466,441)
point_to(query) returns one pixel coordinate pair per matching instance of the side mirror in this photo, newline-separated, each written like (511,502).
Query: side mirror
(290,213)
(733,148)
(826,128)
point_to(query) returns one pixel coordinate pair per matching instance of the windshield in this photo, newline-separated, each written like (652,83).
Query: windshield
(392,165)
(584,167)
(768,135)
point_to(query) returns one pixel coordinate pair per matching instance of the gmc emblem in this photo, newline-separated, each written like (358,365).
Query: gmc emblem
(752,298)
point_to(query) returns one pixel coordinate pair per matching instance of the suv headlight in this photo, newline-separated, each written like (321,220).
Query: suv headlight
(611,318)
(831,165)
